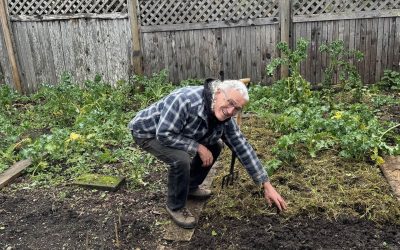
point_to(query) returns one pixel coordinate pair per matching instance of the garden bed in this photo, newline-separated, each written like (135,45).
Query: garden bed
(236,217)
(322,148)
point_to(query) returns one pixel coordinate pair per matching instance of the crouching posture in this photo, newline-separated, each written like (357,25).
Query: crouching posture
(183,130)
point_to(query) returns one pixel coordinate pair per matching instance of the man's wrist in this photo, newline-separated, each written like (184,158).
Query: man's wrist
(267,185)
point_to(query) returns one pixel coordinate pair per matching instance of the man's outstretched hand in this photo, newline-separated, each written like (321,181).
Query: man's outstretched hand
(273,197)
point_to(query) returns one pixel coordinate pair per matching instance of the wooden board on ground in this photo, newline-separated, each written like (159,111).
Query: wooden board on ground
(13,172)
(100,182)
(175,233)
(391,170)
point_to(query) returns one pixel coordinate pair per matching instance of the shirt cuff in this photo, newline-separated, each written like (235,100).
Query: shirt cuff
(192,148)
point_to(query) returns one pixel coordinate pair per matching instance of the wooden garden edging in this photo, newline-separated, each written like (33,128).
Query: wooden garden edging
(14,171)
(391,170)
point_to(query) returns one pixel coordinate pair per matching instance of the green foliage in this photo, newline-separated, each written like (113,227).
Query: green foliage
(292,58)
(314,125)
(311,122)
(339,63)
(70,129)
(150,89)
(390,80)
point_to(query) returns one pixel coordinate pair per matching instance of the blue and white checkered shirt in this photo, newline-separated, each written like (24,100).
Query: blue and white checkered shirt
(179,121)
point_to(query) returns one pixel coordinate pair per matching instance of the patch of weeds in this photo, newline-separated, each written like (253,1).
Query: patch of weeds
(85,128)
(327,186)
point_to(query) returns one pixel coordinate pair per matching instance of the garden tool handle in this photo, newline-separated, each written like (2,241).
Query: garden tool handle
(232,162)
(246,82)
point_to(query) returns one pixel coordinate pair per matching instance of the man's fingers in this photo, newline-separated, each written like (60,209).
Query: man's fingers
(269,201)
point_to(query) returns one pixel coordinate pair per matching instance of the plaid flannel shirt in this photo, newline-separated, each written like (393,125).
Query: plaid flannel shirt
(179,121)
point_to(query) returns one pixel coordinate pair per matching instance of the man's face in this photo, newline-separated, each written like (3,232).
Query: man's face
(228,103)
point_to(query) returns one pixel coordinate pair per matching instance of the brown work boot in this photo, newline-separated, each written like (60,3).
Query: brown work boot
(182,217)
(200,193)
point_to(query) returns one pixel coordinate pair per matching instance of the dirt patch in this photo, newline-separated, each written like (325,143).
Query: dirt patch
(272,232)
(68,217)
(74,218)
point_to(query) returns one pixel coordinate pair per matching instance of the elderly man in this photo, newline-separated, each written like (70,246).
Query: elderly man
(183,130)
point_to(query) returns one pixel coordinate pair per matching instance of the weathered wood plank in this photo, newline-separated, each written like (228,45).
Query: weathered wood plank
(397,46)
(10,46)
(347,15)
(230,53)
(56,47)
(25,56)
(284,25)
(385,48)
(391,45)
(5,69)
(362,45)
(379,49)
(45,41)
(136,60)
(372,48)
(67,30)
(224,51)
(391,171)
(25,18)
(99,53)
(210,25)
(368,51)
(309,74)
(196,54)
(13,172)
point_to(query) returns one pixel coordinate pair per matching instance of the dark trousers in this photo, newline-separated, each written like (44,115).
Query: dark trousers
(185,174)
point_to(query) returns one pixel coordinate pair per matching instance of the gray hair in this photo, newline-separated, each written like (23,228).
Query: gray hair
(230,84)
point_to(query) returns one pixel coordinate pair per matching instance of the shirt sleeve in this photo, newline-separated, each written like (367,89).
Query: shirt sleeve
(173,117)
(235,140)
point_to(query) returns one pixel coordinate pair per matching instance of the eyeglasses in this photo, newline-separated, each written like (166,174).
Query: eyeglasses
(231,103)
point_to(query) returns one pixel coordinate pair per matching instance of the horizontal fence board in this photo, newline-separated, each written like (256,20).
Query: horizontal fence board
(211,25)
(25,18)
(346,16)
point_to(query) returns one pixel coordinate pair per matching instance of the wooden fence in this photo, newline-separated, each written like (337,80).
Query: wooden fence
(191,39)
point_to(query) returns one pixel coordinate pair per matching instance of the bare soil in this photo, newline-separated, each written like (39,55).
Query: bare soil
(68,217)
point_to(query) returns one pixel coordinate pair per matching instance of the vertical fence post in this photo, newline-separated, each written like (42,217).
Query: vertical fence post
(8,39)
(136,58)
(284,25)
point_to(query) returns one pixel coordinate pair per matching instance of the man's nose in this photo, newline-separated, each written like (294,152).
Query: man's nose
(231,111)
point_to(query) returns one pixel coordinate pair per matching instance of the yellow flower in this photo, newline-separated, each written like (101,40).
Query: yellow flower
(74,136)
(379,160)
(338,115)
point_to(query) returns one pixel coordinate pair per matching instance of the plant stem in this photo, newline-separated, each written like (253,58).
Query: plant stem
(395,126)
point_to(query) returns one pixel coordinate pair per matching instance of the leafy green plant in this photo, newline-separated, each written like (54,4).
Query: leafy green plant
(390,80)
(340,64)
(291,58)
(70,129)
(294,88)
(150,89)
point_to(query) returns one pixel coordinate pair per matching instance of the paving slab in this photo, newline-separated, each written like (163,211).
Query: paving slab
(391,170)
